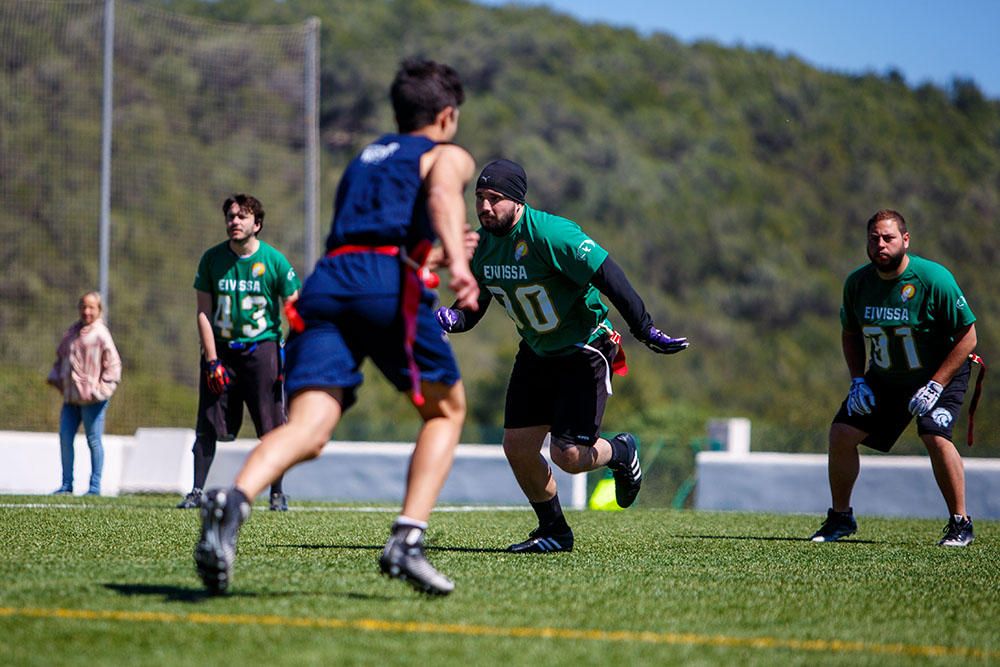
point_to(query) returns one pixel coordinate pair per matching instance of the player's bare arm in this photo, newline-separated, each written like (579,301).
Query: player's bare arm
(436,258)
(450,170)
(965,344)
(205,332)
(853,345)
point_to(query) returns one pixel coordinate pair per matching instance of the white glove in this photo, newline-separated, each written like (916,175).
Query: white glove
(861,399)
(925,398)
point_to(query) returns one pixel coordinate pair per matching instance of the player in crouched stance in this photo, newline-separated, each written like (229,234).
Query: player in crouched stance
(921,333)
(548,275)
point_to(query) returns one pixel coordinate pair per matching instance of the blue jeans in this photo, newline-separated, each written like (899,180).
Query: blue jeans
(92,417)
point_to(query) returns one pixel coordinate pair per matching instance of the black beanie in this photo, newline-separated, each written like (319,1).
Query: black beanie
(505,177)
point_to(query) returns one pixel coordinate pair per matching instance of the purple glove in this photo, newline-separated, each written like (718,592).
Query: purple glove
(447,318)
(660,342)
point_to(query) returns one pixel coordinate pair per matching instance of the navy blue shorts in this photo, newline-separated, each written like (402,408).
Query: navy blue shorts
(891,414)
(342,331)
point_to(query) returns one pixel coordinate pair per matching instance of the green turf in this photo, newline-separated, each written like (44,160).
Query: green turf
(111,581)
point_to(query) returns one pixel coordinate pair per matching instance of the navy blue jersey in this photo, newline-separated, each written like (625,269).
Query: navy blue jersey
(380,202)
(380,199)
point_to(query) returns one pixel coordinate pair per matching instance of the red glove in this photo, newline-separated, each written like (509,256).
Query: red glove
(217,376)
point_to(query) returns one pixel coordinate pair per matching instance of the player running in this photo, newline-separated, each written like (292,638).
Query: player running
(548,276)
(366,299)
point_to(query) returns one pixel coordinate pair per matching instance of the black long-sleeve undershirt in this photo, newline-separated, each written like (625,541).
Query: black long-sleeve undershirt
(609,279)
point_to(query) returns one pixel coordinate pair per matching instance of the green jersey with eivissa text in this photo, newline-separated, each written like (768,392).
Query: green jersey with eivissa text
(246,292)
(909,322)
(540,273)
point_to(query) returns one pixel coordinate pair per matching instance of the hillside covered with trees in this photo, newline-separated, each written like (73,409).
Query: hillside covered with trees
(733,186)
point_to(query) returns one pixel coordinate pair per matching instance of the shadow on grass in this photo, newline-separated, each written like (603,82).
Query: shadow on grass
(764,538)
(196,595)
(379,547)
(169,593)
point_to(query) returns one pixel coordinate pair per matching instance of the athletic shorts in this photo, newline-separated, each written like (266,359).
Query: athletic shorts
(256,382)
(342,331)
(891,414)
(568,393)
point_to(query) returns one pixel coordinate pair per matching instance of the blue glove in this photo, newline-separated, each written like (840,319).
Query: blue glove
(925,398)
(447,318)
(861,398)
(660,342)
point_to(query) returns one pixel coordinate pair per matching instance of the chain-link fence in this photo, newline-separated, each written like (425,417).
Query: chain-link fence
(200,110)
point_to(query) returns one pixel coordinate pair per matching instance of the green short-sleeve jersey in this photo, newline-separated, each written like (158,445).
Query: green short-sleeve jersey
(909,322)
(540,273)
(246,291)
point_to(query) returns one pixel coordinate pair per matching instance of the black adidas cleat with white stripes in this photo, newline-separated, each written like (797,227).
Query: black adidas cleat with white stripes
(628,476)
(543,542)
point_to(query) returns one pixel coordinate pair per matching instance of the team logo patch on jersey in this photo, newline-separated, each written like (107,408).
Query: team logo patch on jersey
(520,250)
(584,249)
(941,417)
(257,270)
(374,153)
(290,275)
(907,292)
(961,303)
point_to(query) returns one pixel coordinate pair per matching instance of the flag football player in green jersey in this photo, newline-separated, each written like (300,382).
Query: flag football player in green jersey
(920,332)
(548,275)
(240,284)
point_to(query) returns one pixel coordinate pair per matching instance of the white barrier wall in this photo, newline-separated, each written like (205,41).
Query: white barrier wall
(160,460)
(790,483)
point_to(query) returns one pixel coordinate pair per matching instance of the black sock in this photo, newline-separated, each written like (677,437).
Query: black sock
(276,485)
(619,454)
(204,454)
(550,515)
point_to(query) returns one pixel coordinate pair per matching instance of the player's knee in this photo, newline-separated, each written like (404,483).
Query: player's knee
(445,401)
(565,453)
(844,437)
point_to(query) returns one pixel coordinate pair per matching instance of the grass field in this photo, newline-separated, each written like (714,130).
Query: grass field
(111,581)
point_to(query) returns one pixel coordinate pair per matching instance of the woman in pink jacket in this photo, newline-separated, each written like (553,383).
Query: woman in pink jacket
(87,371)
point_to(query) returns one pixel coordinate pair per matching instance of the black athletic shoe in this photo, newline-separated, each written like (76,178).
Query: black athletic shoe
(279,502)
(192,500)
(544,542)
(403,558)
(836,526)
(628,476)
(221,518)
(958,532)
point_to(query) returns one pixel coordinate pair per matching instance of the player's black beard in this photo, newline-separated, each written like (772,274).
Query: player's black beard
(890,265)
(501,226)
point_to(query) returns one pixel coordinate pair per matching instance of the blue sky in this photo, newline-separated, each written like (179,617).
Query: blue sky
(925,40)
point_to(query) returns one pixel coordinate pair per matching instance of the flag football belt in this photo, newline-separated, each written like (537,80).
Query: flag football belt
(976,359)
(619,366)
(241,346)
(415,277)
